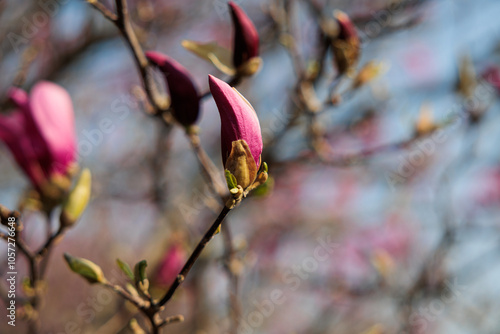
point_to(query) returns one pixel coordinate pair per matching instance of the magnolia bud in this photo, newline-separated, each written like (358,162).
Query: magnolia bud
(241,138)
(425,122)
(77,200)
(170,265)
(184,97)
(85,268)
(246,42)
(40,132)
(346,47)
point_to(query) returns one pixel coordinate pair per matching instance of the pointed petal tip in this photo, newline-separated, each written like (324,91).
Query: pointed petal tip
(18,96)
(156,58)
(216,83)
(232,5)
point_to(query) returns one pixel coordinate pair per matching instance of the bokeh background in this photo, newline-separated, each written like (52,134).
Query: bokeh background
(410,232)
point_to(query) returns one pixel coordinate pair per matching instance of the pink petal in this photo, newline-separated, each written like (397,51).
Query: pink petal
(170,266)
(238,119)
(52,112)
(13,133)
(347,28)
(19,97)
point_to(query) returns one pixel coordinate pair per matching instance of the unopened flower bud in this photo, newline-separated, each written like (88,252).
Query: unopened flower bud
(246,42)
(184,97)
(425,123)
(85,268)
(346,47)
(241,138)
(170,265)
(40,132)
(77,199)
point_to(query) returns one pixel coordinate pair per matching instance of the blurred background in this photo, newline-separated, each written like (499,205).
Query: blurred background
(386,232)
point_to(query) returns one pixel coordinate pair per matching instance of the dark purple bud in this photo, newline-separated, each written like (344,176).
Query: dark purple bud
(184,97)
(246,38)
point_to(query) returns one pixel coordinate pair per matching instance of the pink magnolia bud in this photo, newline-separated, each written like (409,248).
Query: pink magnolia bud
(246,38)
(346,47)
(241,139)
(183,94)
(347,30)
(170,266)
(40,133)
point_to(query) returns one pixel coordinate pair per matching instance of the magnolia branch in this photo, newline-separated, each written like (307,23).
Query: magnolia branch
(194,256)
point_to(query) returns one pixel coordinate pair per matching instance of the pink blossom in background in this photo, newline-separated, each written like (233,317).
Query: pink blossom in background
(40,132)
(492,76)
(353,260)
(486,188)
(170,266)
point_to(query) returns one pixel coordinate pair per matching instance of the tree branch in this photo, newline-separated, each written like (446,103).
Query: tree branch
(194,256)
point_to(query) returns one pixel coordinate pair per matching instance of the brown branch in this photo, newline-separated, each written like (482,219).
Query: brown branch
(139,303)
(122,21)
(103,9)
(124,24)
(170,320)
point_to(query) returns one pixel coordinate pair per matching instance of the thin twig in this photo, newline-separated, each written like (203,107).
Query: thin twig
(123,23)
(104,10)
(139,303)
(208,168)
(170,320)
(194,256)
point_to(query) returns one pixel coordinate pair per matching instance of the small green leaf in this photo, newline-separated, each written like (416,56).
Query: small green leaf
(141,279)
(231,180)
(125,268)
(85,268)
(140,271)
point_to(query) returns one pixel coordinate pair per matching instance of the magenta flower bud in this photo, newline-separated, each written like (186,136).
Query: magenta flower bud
(184,97)
(346,47)
(170,266)
(241,139)
(347,31)
(246,38)
(40,133)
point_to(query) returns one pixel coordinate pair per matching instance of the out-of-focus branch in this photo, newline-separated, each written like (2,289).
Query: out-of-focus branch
(229,262)
(208,168)
(123,23)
